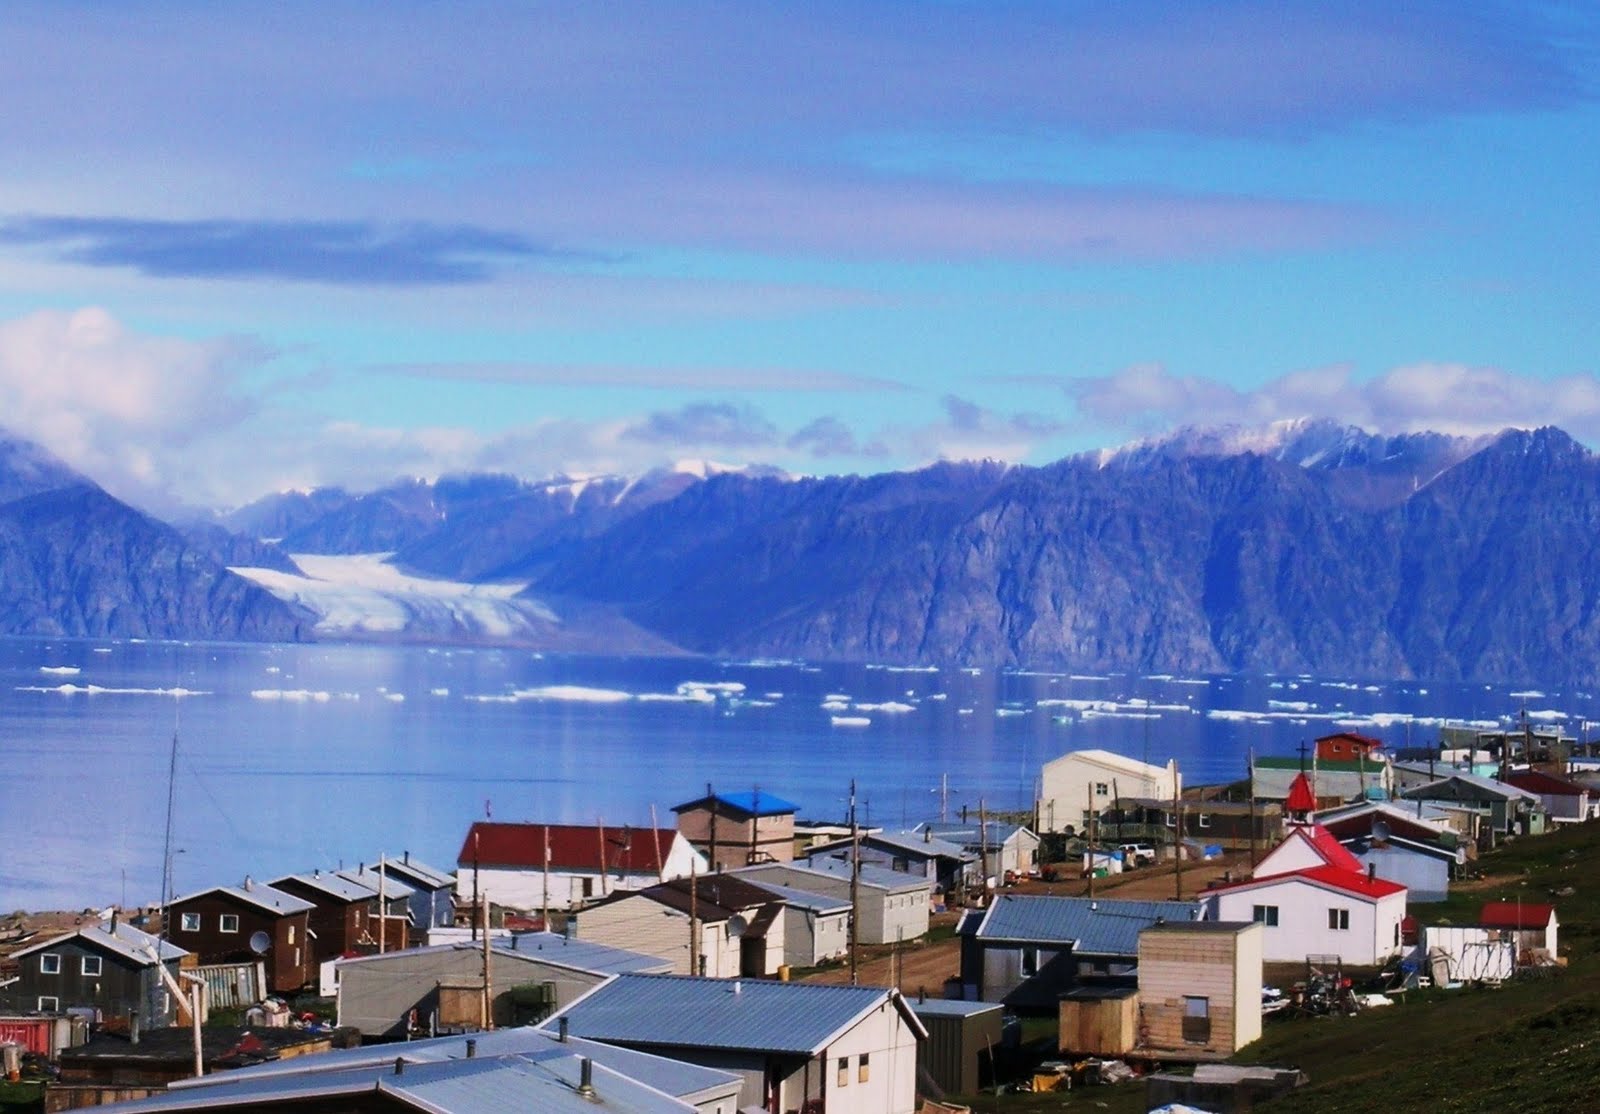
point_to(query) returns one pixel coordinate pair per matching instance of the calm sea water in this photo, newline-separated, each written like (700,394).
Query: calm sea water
(294,757)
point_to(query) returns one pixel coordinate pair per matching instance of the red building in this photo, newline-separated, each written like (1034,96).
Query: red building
(1346,746)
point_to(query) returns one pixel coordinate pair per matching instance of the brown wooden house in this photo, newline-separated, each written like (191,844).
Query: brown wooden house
(343,918)
(739,829)
(220,925)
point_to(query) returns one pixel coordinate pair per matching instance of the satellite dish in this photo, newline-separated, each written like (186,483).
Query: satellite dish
(737,925)
(260,942)
(1380,831)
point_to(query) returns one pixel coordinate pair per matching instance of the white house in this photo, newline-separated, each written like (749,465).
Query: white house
(1070,783)
(1322,910)
(738,926)
(797,1046)
(1306,846)
(1008,848)
(510,862)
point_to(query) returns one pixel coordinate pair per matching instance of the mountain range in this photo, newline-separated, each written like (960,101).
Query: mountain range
(1304,547)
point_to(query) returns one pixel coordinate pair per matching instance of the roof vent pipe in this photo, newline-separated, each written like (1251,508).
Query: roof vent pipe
(399,1065)
(1372,872)
(472,1048)
(586,1077)
(561,1029)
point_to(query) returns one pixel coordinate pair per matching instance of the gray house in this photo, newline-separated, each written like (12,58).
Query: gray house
(894,907)
(944,865)
(107,966)
(440,988)
(433,899)
(1009,848)
(1025,951)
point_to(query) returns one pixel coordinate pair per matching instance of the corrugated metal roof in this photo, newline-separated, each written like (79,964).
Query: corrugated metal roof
(756,803)
(912,843)
(966,835)
(1096,926)
(672,1077)
(749,1014)
(429,876)
(881,877)
(572,846)
(125,940)
(585,954)
(393,888)
(233,985)
(336,886)
(482,1085)
(255,893)
(803,899)
(950,1007)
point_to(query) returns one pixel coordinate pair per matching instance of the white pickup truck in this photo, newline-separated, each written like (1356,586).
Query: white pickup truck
(1137,854)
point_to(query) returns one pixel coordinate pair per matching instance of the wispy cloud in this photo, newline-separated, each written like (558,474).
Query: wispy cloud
(640,376)
(336,252)
(1443,397)
(714,425)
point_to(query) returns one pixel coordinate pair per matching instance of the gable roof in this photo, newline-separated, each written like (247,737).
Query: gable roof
(262,896)
(335,886)
(1514,914)
(545,947)
(1091,926)
(1544,784)
(1323,843)
(1349,821)
(1443,775)
(122,939)
(368,875)
(912,843)
(427,877)
(717,896)
(1121,763)
(1354,883)
(673,1077)
(1301,798)
(745,1014)
(1354,736)
(572,846)
(878,877)
(755,803)
(995,832)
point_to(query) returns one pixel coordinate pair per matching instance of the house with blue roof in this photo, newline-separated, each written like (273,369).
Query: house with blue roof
(1027,950)
(795,1046)
(739,829)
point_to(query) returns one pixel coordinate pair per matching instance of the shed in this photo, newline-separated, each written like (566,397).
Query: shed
(1099,1020)
(962,1037)
(1199,989)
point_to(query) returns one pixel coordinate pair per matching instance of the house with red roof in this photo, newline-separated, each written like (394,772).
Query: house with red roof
(1532,925)
(1347,746)
(1565,802)
(1313,896)
(1321,910)
(524,866)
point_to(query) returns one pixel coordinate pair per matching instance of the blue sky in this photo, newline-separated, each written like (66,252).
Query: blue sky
(246,247)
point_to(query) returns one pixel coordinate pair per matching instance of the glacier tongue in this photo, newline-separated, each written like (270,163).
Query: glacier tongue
(363,596)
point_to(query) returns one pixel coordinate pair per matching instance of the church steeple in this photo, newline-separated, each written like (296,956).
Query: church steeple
(1302,801)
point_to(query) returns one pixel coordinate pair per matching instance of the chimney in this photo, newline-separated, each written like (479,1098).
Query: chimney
(472,1048)
(405,857)
(586,1077)
(249,883)
(736,988)
(114,922)
(561,1029)
(133,1026)
(927,835)
(1372,872)
(399,1065)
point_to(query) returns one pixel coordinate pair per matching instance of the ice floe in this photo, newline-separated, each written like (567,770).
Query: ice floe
(850,721)
(888,707)
(61,670)
(105,690)
(292,695)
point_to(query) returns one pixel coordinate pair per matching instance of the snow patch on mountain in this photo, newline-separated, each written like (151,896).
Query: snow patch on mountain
(363,595)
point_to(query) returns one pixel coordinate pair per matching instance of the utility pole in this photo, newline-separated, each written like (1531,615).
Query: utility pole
(1250,792)
(711,801)
(383,908)
(600,826)
(944,798)
(694,919)
(477,900)
(1116,801)
(1177,847)
(544,910)
(488,992)
(655,841)
(983,848)
(855,891)
(1094,831)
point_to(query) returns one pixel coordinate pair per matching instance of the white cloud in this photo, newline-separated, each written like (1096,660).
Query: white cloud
(1442,397)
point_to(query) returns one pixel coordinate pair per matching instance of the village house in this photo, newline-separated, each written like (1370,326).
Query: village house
(583,862)
(1334,783)
(220,925)
(105,966)
(796,1046)
(1085,782)
(1504,808)
(439,989)
(1347,746)
(1025,951)
(816,927)
(739,829)
(1233,825)
(738,925)
(1563,801)
(432,902)
(518,1069)
(343,915)
(1420,853)
(1009,849)
(945,866)
(894,907)
(1323,910)
(1199,989)
(1533,926)
(392,900)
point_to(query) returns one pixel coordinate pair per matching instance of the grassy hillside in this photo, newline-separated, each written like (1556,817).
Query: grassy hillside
(1530,1046)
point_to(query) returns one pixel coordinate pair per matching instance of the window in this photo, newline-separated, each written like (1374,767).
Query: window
(1339,919)
(1265,914)
(228,922)
(1204,821)
(1101,789)
(190,922)
(1397,934)
(844,1071)
(49,964)
(49,1005)
(1196,1020)
(1170,819)
(1030,961)
(861,1069)
(91,966)
(291,932)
